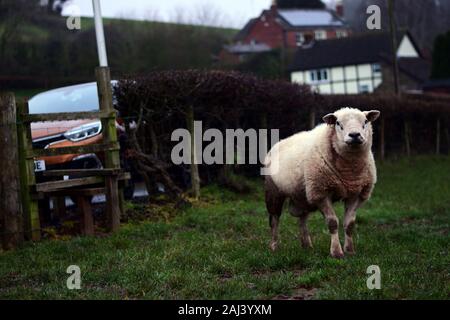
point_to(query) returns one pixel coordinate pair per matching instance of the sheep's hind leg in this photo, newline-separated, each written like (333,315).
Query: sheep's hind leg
(326,207)
(305,237)
(302,214)
(274,221)
(274,204)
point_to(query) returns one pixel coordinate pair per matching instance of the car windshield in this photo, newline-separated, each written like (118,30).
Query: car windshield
(77,98)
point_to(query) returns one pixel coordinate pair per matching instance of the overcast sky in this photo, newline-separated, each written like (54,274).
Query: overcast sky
(225,13)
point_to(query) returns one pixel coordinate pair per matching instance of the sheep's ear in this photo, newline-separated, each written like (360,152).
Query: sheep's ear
(330,118)
(372,115)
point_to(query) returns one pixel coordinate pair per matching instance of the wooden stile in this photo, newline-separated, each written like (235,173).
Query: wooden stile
(84,178)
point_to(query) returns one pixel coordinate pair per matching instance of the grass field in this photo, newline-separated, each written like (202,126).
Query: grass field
(88,23)
(35,31)
(218,249)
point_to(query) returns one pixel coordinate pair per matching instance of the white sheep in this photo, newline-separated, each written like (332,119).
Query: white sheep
(315,168)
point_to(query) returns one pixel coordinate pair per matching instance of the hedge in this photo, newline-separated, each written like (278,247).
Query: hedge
(159,102)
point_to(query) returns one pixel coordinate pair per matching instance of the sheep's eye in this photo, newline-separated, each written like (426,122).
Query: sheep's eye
(339,125)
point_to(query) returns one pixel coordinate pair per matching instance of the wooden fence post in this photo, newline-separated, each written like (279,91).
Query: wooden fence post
(407,135)
(112,156)
(10,208)
(382,146)
(195,178)
(32,225)
(263,120)
(438,135)
(312,119)
(447,138)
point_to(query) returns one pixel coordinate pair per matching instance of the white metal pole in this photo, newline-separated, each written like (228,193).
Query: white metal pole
(99,33)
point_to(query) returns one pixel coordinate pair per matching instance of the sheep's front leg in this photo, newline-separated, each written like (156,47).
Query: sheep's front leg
(326,207)
(305,237)
(351,205)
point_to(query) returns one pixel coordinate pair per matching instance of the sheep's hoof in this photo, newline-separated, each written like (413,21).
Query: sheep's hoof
(348,246)
(273,246)
(306,243)
(349,251)
(337,254)
(307,246)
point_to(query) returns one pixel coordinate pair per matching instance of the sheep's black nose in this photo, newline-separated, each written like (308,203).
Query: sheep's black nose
(354,135)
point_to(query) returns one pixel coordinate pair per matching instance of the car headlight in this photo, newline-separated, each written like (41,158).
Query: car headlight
(84,132)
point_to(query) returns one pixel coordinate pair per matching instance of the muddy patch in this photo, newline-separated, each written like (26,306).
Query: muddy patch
(299,293)
(269,273)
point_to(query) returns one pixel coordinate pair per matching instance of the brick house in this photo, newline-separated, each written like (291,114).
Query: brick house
(284,28)
(360,64)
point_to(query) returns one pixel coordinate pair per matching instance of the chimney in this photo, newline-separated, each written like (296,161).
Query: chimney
(339,9)
(273,6)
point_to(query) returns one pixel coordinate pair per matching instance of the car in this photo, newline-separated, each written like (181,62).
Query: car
(65,133)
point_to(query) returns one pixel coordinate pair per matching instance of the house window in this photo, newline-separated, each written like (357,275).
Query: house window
(376,68)
(341,33)
(363,88)
(320,34)
(299,38)
(319,75)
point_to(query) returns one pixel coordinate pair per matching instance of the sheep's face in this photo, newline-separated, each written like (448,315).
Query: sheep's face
(353,127)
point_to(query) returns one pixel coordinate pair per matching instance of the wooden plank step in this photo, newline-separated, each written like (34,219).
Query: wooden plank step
(63,184)
(71,183)
(77,192)
(82,172)
(64,116)
(94,148)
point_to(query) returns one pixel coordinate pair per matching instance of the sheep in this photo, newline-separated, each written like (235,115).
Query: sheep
(314,169)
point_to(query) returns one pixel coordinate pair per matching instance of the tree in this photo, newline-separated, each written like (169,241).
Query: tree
(300,4)
(441,59)
(424,19)
(266,65)
(12,14)
(55,6)
(394,45)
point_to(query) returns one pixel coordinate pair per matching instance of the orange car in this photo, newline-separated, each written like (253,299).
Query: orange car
(57,134)
(62,134)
